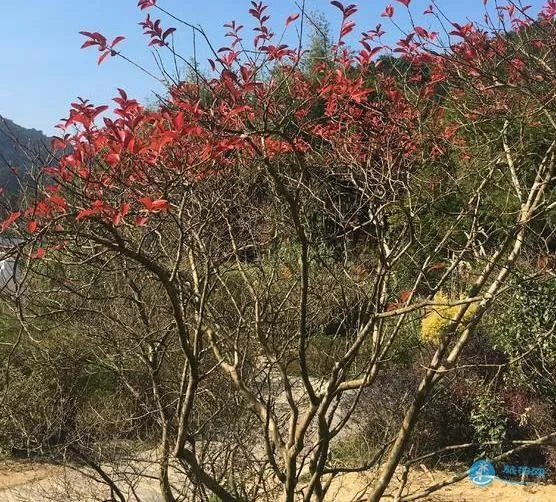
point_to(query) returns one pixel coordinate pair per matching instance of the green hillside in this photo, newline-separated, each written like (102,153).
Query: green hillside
(20,149)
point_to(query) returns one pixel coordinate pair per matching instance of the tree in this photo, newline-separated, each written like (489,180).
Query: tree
(320,44)
(211,245)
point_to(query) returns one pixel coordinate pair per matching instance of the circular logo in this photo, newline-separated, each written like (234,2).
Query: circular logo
(482,473)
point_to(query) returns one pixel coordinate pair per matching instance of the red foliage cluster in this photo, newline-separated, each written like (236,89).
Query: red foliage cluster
(96,39)
(123,170)
(155,32)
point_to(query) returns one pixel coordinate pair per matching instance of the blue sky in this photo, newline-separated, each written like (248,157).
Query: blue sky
(44,69)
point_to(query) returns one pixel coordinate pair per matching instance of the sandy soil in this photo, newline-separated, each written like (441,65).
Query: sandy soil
(24,481)
(352,487)
(14,474)
(465,491)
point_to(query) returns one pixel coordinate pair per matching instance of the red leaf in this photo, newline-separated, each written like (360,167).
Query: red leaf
(96,37)
(112,159)
(388,12)
(58,143)
(421,32)
(148,203)
(103,56)
(154,205)
(436,266)
(168,32)
(178,121)
(124,208)
(145,4)
(58,201)
(141,220)
(89,43)
(239,109)
(405,2)
(291,19)
(38,254)
(339,5)
(84,213)
(405,295)
(32,226)
(117,40)
(159,205)
(10,219)
(347,28)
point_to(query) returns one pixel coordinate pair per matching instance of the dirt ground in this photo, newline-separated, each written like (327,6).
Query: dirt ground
(22,481)
(352,487)
(13,474)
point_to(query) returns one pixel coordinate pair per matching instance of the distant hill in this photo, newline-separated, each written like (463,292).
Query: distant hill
(20,148)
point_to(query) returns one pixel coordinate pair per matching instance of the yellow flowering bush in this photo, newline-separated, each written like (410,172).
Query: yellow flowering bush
(437,318)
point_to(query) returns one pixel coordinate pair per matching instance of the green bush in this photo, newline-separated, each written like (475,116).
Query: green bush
(489,421)
(524,328)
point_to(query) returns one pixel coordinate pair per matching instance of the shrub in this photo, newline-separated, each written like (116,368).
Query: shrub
(489,420)
(437,319)
(524,327)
